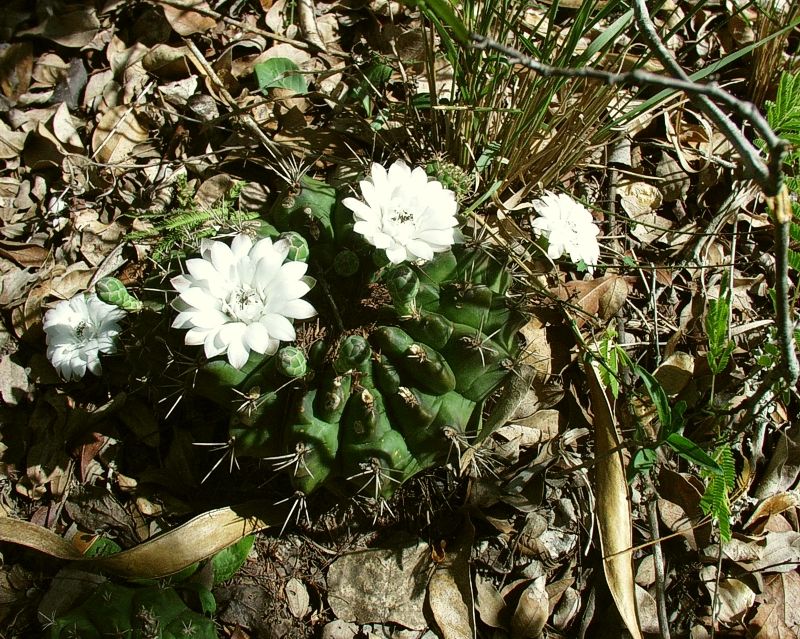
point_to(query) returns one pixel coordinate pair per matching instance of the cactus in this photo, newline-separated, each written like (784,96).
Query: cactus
(370,406)
(114,610)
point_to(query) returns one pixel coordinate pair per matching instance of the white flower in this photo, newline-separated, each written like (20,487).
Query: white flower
(404,213)
(78,330)
(568,227)
(241,297)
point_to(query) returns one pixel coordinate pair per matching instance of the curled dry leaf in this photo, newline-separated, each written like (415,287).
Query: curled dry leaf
(532,611)
(613,506)
(774,505)
(117,134)
(675,372)
(450,591)
(639,198)
(197,539)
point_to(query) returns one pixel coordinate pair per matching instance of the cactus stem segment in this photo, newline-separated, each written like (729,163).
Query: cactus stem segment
(377,475)
(296,459)
(479,343)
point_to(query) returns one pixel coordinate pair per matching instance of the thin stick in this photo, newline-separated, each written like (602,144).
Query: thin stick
(658,561)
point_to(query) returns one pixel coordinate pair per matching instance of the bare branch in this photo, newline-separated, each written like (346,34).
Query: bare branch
(768,176)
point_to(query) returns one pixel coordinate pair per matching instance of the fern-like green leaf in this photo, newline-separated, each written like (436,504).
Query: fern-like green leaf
(716,499)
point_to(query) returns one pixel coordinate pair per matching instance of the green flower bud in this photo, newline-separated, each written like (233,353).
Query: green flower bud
(290,361)
(112,291)
(298,247)
(346,263)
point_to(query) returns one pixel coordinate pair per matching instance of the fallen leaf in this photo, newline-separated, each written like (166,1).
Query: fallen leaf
(380,585)
(778,608)
(601,297)
(639,198)
(613,505)
(450,592)
(774,505)
(16,67)
(734,598)
(532,611)
(783,468)
(73,28)
(117,134)
(184,21)
(489,603)
(675,372)
(297,597)
(13,381)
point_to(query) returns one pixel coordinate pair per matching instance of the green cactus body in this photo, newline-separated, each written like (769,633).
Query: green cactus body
(114,610)
(307,210)
(379,402)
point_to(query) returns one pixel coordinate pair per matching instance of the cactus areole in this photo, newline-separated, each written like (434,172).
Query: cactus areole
(390,376)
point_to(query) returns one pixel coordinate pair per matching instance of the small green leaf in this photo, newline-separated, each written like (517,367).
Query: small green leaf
(280,73)
(687,449)
(643,459)
(659,398)
(226,562)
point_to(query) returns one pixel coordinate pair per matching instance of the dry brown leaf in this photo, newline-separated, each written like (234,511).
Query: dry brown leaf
(783,468)
(117,134)
(733,600)
(197,539)
(380,586)
(297,597)
(781,552)
(774,505)
(675,372)
(601,297)
(13,381)
(16,67)
(450,592)
(73,28)
(184,21)
(24,254)
(613,506)
(778,613)
(639,198)
(489,603)
(11,142)
(532,611)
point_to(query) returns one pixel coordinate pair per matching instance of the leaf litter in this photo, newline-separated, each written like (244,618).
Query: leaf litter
(106,111)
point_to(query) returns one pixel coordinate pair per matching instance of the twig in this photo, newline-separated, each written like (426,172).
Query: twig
(203,65)
(768,176)
(784,320)
(658,561)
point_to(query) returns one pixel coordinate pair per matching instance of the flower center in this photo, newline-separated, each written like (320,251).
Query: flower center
(244,304)
(80,329)
(401,216)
